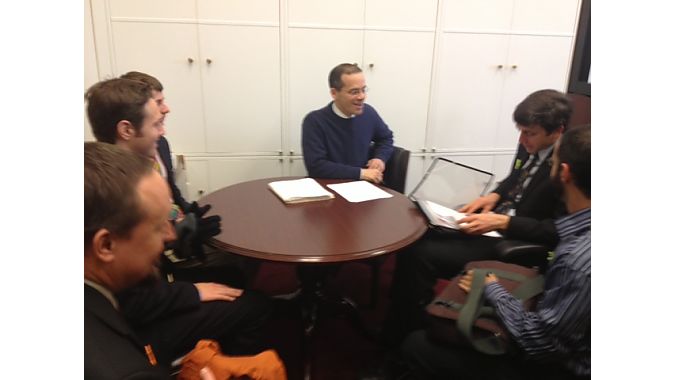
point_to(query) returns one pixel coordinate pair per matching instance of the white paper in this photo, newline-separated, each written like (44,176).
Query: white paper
(359,191)
(300,190)
(447,217)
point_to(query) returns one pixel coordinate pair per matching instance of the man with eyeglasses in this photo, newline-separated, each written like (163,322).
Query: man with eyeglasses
(346,139)
(170,317)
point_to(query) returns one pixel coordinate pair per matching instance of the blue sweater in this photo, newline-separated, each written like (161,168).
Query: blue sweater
(334,147)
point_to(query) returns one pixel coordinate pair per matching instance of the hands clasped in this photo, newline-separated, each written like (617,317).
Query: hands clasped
(374,171)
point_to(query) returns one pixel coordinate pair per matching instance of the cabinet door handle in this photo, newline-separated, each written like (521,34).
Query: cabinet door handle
(209,61)
(499,67)
(514,67)
(190,60)
(371,65)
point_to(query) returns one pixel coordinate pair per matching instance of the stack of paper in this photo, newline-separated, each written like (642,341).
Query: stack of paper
(441,216)
(300,190)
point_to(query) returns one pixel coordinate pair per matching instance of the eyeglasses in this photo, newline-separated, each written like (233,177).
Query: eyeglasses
(357,91)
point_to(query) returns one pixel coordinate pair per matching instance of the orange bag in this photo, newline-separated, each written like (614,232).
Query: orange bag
(207,353)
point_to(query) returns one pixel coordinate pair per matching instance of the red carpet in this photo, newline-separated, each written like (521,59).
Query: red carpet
(339,352)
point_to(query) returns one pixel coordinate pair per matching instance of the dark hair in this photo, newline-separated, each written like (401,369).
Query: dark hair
(549,109)
(111,177)
(114,100)
(575,150)
(337,73)
(150,80)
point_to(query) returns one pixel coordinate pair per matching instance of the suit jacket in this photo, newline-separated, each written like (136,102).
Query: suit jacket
(165,155)
(540,204)
(111,350)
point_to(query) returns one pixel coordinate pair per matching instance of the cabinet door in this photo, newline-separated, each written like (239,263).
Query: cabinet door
(91,72)
(229,171)
(295,167)
(551,16)
(158,9)
(241,81)
(486,15)
(534,63)
(467,91)
(401,103)
(164,50)
(344,13)
(251,11)
(193,181)
(312,55)
(400,14)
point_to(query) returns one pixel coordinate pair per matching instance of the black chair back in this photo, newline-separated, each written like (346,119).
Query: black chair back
(396,169)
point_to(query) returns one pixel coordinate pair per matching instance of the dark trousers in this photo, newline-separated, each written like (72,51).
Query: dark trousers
(429,360)
(238,326)
(436,255)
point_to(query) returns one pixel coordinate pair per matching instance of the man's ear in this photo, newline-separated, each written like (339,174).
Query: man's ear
(333,93)
(564,173)
(102,245)
(125,130)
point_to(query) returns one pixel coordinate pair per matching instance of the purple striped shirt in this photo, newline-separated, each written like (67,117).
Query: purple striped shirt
(560,327)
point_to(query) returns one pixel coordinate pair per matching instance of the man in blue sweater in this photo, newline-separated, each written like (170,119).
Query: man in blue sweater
(337,138)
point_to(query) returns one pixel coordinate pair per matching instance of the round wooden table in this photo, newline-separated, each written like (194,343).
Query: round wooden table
(256,223)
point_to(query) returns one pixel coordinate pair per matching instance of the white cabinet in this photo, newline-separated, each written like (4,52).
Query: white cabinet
(240,75)
(169,52)
(488,61)
(392,42)
(219,63)
(241,87)
(91,71)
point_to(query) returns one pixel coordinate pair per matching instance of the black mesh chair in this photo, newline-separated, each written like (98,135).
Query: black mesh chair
(394,178)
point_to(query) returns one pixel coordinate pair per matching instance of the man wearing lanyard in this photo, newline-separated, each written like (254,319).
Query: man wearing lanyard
(522,207)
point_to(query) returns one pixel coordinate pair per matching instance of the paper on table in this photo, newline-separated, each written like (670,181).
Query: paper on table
(446,217)
(300,190)
(359,191)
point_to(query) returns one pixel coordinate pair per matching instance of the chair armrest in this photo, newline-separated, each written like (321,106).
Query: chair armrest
(523,253)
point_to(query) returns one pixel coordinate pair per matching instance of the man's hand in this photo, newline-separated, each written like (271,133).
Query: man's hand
(211,291)
(376,163)
(477,224)
(466,280)
(485,203)
(206,227)
(371,175)
(197,210)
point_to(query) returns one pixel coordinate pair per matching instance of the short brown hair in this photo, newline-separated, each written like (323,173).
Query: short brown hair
(575,150)
(114,100)
(549,109)
(111,177)
(338,71)
(145,78)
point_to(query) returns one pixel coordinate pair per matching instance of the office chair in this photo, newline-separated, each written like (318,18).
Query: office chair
(394,178)
(524,253)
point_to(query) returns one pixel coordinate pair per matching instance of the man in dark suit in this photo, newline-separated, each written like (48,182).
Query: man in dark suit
(206,226)
(522,207)
(170,316)
(121,246)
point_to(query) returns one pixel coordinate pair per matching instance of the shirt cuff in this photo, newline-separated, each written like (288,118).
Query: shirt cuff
(493,291)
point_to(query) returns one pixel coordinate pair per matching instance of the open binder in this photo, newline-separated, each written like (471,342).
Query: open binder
(446,186)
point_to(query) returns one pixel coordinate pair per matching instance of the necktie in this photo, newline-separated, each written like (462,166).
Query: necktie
(514,195)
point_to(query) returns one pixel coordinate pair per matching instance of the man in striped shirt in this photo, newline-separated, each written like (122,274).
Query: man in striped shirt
(555,338)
